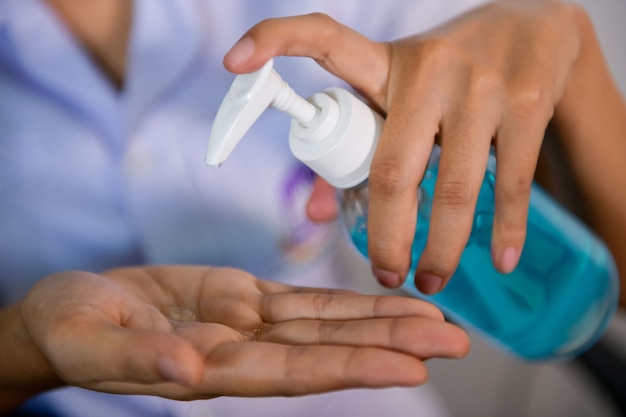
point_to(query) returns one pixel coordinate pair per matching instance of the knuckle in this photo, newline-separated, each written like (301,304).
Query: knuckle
(327,331)
(439,52)
(530,97)
(266,306)
(263,26)
(388,179)
(320,304)
(454,194)
(516,191)
(323,19)
(293,359)
(512,230)
(485,82)
(327,27)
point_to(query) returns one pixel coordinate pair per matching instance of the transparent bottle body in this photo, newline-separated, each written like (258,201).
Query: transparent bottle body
(554,305)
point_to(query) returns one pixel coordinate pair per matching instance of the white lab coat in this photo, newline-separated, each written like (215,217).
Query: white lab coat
(93,178)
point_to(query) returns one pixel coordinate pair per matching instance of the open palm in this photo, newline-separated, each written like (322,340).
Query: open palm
(198,332)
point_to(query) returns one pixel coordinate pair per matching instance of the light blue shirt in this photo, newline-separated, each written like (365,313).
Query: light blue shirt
(93,178)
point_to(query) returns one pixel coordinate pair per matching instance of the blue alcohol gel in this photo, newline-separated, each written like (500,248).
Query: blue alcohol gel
(554,305)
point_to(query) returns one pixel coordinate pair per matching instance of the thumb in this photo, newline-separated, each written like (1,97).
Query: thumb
(129,355)
(361,62)
(322,205)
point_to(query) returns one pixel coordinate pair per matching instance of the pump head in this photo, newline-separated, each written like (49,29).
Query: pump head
(332,132)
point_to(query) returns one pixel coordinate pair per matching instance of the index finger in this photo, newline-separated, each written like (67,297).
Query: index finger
(397,168)
(399,163)
(320,37)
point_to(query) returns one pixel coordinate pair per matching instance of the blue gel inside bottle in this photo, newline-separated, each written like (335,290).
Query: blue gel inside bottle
(554,305)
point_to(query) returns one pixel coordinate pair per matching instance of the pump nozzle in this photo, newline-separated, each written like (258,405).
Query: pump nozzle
(248,97)
(332,132)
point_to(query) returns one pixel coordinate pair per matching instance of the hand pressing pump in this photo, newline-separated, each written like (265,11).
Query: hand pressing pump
(554,305)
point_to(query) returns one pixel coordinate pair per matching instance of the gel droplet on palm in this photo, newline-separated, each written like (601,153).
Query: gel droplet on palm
(554,305)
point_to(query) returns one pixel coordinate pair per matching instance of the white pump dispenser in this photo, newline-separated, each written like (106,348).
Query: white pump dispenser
(332,132)
(556,303)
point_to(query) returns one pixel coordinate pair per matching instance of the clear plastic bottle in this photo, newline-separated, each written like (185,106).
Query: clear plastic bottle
(554,305)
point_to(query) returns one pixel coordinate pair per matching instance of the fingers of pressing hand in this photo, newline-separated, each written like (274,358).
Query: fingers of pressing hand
(435,89)
(510,222)
(417,336)
(465,142)
(339,49)
(397,167)
(518,145)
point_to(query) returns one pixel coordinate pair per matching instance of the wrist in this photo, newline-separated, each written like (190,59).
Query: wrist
(591,100)
(24,371)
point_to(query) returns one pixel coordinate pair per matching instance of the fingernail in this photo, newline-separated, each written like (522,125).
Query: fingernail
(428,283)
(240,52)
(386,278)
(172,371)
(508,260)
